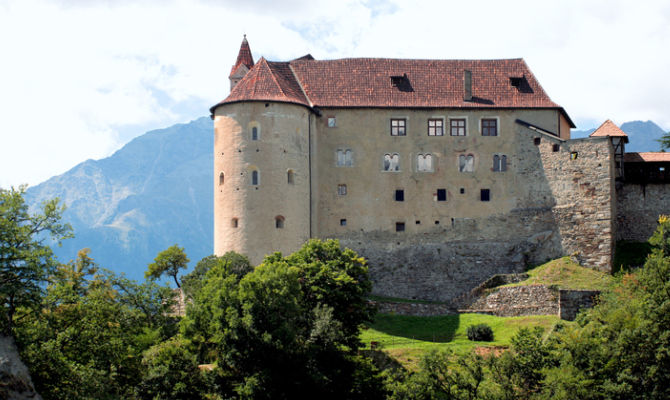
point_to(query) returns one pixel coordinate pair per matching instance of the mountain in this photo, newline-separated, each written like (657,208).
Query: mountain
(642,135)
(152,193)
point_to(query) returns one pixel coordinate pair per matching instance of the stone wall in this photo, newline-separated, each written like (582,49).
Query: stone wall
(416,309)
(518,300)
(571,301)
(638,208)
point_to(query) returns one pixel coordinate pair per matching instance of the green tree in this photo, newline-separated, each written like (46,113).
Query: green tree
(231,262)
(665,141)
(168,262)
(25,259)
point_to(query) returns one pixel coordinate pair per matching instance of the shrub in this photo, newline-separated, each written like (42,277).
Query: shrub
(480,333)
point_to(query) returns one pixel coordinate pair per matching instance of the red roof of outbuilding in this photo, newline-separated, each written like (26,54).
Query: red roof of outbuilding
(647,157)
(366,82)
(243,57)
(609,129)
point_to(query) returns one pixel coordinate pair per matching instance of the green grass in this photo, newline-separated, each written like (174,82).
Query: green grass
(565,274)
(407,338)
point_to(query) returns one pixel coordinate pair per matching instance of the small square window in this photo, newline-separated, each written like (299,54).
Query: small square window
(457,126)
(462,190)
(331,122)
(398,126)
(437,222)
(537,141)
(555,148)
(441,194)
(486,195)
(399,195)
(435,127)
(489,127)
(417,222)
(343,222)
(342,190)
(399,226)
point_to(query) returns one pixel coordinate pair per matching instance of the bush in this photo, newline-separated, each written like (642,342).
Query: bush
(480,333)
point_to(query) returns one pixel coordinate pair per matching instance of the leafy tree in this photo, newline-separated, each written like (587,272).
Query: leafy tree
(168,262)
(665,141)
(232,262)
(25,260)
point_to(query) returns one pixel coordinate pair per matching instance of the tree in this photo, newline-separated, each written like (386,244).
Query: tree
(665,141)
(232,262)
(168,262)
(25,260)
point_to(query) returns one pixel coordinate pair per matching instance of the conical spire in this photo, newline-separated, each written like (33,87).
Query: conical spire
(244,57)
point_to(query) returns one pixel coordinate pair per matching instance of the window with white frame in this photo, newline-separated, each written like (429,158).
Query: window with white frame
(424,163)
(391,162)
(466,163)
(398,126)
(344,158)
(435,127)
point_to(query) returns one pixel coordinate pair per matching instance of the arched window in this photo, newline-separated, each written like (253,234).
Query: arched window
(466,163)
(499,163)
(279,222)
(254,177)
(391,162)
(234,223)
(348,158)
(290,177)
(424,163)
(496,163)
(221,177)
(254,133)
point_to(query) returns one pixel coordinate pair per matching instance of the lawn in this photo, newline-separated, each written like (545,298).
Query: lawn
(406,338)
(565,274)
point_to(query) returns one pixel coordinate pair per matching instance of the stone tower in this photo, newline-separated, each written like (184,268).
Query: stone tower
(261,163)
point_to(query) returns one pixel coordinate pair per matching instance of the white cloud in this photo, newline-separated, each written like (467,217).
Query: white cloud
(78,77)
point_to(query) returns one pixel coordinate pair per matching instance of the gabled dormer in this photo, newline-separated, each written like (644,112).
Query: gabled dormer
(243,64)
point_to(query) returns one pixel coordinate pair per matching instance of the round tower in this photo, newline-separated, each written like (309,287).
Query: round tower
(261,170)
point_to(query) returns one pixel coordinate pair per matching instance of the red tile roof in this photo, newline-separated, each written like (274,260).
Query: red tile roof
(268,81)
(243,57)
(366,82)
(647,157)
(609,129)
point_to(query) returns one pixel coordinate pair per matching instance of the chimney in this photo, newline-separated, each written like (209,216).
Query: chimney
(467,85)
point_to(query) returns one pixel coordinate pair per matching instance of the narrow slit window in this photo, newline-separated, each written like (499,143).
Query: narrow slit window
(254,133)
(254,177)
(234,223)
(290,177)
(221,178)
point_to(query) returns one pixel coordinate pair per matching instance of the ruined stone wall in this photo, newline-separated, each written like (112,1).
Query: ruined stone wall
(518,300)
(571,301)
(581,177)
(638,208)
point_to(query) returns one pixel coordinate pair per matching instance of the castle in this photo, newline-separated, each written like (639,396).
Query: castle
(440,172)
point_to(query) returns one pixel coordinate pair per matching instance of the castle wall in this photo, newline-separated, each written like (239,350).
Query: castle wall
(281,145)
(639,207)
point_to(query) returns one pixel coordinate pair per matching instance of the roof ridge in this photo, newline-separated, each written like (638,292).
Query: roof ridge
(302,89)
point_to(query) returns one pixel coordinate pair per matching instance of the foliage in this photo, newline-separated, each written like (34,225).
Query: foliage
(93,326)
(233,262)
(170,373)
(566,274)
(665,141)
(480,333)
(288,329)
(168,262)
(25,260)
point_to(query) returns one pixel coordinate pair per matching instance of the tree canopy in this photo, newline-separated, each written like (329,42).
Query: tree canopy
(168,262)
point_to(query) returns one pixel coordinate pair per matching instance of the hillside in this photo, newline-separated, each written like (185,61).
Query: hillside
(154,192)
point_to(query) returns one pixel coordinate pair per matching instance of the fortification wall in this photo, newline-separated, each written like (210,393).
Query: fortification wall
(638,209)
(246,208)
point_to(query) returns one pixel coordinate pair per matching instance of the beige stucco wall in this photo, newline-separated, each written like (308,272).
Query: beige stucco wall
(282,145)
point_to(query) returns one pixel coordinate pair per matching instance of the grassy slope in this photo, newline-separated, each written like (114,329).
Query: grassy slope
(406,338)
(566,274)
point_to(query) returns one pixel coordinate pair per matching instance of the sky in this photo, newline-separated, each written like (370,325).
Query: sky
(81,78)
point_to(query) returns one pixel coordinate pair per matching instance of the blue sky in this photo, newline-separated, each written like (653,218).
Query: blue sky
(80,78)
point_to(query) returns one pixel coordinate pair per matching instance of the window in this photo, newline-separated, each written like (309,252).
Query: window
(343,222)
(234,223)
(221,178)
(441,194)
(331,122)
(537,141)
(573,155)
(499,163)
(391,162)
(254,133)
(457,127)
(424,163)
(399,195)
(344,158)
(290,177)
(485,195)
(435,127)
(254,177)
(489,127)
(342,190)
(399,226)
(462,190)
(555,148)
(279,222)
(398,126)
(466,163)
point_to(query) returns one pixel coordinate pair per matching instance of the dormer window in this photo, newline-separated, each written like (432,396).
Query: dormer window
(516,81)
(398,80)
